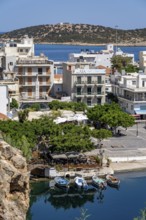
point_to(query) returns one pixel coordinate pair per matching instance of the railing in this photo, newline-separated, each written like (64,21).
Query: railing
(34,62)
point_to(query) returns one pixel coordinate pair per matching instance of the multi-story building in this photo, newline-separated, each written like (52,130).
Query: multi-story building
(142,60)
(13,88)
(36,76)
(131,92)
(83,82)
(11,51)
(102,57)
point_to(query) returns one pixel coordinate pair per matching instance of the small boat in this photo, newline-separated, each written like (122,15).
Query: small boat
(112,180)
(99,182)
(61,182)
(80,182)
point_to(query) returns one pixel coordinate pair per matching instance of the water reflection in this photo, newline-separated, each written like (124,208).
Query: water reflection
(64,198)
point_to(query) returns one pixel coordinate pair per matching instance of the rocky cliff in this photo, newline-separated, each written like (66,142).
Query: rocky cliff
(14,184)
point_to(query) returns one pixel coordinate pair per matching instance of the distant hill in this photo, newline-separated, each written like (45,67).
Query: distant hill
(78,33)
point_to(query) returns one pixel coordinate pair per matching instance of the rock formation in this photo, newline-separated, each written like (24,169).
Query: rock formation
(14,184)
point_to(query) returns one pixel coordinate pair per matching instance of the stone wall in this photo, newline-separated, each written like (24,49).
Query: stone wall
(14,184)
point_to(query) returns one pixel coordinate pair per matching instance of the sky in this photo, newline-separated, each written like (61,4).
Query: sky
(126,14)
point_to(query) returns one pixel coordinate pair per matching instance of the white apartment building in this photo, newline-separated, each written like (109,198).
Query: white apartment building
(84,83)
(36,76)
(102,57)
(142,60)
(13,88)
(4,99)
(131,92)
(11,51)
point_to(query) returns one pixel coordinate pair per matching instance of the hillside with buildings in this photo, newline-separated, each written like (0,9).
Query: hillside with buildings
(79,33)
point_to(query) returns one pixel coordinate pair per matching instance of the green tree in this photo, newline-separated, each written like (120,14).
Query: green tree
(118,118)
(23,115)
(14,104)
(101,134)
(96,113)
(120,62)
(131,68)
(36,107)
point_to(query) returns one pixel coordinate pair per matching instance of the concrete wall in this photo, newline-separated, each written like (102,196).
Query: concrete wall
(4,101)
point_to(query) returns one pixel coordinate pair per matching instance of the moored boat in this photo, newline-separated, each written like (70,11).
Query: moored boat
(112,180)
(61,182)
(80,182)
(99,182)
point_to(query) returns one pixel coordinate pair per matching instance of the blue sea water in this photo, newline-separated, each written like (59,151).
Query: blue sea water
(124,203)
(61,52)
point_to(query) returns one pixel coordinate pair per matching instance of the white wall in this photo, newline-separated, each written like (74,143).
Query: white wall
(3,99)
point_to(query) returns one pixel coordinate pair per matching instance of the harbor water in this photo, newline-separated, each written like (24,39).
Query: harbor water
(61,52)
(124,203)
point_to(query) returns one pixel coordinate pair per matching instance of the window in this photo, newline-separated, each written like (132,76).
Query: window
(79,91)
(79,79)
(89,101)
(78,99)
(143,82)
(21,50)
(89,91)
(133,82)
(40,71)
(98,101)
(26,50)
(11,63)
(89,79)
(98,79)
(69,68)
(98,90)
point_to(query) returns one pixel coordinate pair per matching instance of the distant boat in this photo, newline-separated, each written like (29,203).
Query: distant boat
(99,182)
(80,182)
(112,181)
(61,182)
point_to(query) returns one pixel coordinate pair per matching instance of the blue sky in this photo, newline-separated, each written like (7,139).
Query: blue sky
(127,14)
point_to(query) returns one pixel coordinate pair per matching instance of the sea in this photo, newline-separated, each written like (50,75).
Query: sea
(61,52)
(124,203)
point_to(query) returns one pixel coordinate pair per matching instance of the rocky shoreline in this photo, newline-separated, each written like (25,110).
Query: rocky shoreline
(14,183)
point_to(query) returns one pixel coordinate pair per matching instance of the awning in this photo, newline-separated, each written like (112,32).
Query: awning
(140,112)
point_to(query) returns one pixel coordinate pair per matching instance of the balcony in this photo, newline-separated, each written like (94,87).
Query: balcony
(28,84)
(29,61)
(79,83)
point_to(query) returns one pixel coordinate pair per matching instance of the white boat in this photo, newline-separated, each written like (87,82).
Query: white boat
(80,182)
(99,182)
(61,182)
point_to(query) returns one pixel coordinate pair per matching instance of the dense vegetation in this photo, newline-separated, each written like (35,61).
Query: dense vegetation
(74,106)
(84,33)
(109,116)
(44,135)
(123,63)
